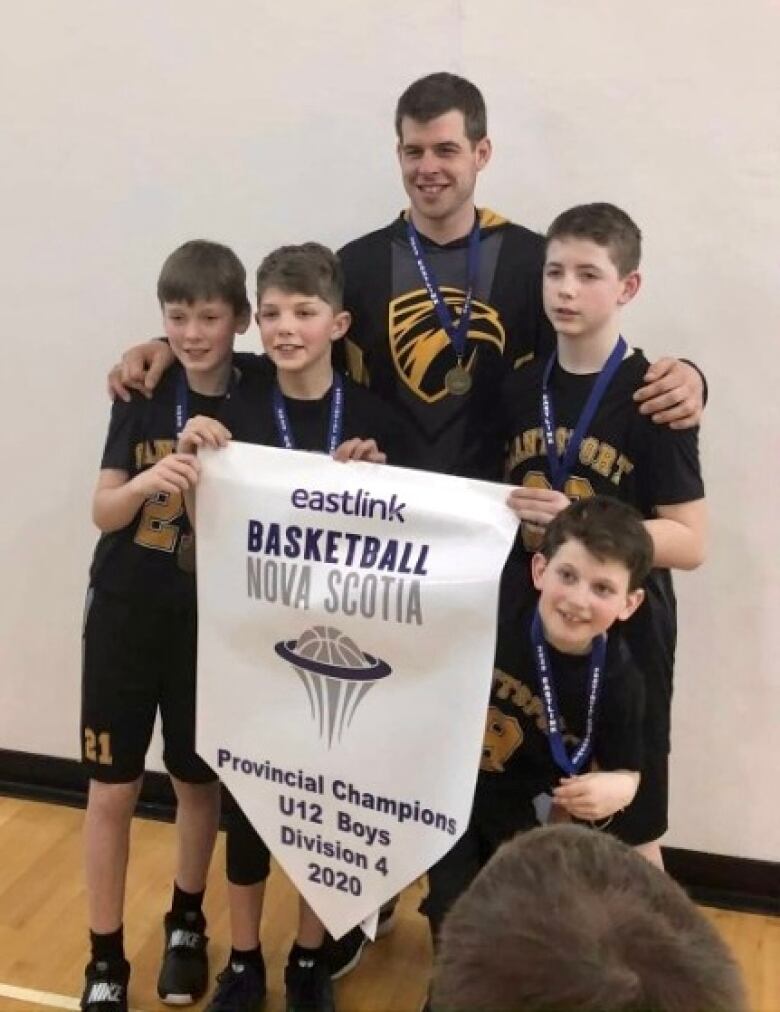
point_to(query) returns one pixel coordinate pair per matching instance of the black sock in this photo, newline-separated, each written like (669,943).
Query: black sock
(252,957)
(110,947)
(186,903)
(301,952)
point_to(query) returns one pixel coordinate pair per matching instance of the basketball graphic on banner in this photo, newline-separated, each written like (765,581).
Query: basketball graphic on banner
(336,674)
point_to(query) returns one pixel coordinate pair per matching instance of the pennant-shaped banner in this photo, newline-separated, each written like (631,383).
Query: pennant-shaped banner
(347,621)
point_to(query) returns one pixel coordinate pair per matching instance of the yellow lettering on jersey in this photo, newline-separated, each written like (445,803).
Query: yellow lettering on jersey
(519,694)
(605,460)
(624,466)
(157,527)
(503,737)
(150,451)
(595,454)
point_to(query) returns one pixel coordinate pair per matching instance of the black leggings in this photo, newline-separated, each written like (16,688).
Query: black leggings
(248,858)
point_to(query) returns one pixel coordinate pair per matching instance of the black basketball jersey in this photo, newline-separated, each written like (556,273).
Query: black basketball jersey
(397,347)
(516,748)
(140,560)
(365,415)
(625,455)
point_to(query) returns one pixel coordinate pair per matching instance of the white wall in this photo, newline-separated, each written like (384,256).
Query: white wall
(128,128)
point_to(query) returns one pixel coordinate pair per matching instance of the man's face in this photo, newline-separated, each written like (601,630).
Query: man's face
(439,164)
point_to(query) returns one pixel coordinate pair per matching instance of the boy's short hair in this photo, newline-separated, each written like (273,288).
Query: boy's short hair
(609,529)
(308,269)
(567,918)
(203,270)
(439,93)
(606,225)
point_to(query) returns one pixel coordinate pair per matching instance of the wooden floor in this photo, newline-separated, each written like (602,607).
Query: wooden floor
(43,934)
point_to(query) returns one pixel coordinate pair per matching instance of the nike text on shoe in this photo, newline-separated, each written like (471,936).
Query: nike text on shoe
(184,974)
(105,986)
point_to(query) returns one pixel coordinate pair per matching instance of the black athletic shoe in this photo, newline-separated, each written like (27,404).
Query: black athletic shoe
(240,988)
(105,986)
(309,988)
(184,974)
(343,955)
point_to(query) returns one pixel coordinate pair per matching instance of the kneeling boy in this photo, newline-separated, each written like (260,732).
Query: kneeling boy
(566,705)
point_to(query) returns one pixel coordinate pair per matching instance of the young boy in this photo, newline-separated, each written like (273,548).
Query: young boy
(139,633)
(581,401)
(566,705)
(299,403)
(563,918)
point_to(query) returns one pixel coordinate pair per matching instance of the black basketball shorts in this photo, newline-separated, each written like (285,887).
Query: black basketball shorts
(136,659)
(497,815)
(647,817)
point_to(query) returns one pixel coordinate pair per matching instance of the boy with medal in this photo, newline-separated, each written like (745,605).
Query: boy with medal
(294,399)
(565,712)
(574,432)
(139,630)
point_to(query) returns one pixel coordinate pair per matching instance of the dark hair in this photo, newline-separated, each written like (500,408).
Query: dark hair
(606,225)
(567,918)
(203,270)
(436,94)
(308,269)
(609,529)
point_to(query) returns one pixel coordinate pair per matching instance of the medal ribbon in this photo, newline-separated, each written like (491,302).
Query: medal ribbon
(335,423)
(570,764)
(561,467)
(457,332)
(182,409)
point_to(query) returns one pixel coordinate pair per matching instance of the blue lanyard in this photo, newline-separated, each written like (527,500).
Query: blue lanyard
(561,467)
(570,764)
(457,332)
(335,423)
(182,401)
(182,409)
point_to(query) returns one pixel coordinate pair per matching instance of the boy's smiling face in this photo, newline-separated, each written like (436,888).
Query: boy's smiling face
(581,596)
(201,333)
(582,288)
(297,331)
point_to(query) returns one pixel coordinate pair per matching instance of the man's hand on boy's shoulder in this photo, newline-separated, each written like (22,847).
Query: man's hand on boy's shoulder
(360,449)
(203,431)
(673,394)
(598,794)
(140,369)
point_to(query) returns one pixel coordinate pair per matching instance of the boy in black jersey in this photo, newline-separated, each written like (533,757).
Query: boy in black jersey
(575,431)
(295,400)
(565,712)
(139,633)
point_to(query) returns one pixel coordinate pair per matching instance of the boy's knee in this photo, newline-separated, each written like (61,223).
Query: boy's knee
(113,801)
(196,795)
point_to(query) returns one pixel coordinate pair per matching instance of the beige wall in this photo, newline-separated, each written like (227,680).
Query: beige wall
(128,128)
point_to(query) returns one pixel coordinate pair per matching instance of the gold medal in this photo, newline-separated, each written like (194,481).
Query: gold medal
(185,555)
(457,381)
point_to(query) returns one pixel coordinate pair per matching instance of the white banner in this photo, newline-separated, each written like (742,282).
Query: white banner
(347,620)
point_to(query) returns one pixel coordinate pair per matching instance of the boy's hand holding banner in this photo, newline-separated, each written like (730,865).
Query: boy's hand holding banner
(347,620)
